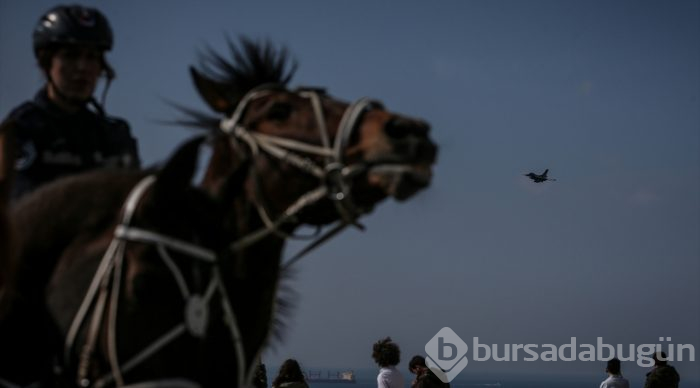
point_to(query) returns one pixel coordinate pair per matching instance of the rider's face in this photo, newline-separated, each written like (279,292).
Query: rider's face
(75,70)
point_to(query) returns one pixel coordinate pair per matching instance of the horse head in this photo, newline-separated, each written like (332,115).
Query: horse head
(344,157)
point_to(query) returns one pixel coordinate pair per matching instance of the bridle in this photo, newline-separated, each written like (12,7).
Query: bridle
(334,175)
(104,292)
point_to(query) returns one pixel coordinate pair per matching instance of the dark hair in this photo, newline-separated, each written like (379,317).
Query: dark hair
(614,366)
(660,358)
(416,361)
(44,57)
(386,353)
(290,371)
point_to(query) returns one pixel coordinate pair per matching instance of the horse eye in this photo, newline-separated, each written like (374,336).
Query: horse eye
(279,111)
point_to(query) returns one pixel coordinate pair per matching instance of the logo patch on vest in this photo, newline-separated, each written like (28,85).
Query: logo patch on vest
(26,157)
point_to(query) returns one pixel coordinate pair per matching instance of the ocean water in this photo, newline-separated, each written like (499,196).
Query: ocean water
(367,379)
(477,383)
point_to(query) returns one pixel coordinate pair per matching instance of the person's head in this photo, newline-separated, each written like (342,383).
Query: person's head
(69,45)
(290,371)
(660,358)
(386,353)
(417,365)
(613,367)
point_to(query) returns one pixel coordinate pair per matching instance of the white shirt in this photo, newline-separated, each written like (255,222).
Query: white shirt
(615,381)
(390,377)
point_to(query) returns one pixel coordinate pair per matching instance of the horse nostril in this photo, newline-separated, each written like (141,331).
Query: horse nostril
(393,129)
(399,128)
(428,152)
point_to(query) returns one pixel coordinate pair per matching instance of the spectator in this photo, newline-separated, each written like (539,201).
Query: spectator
(387,355)
(290,376)
(615,379)
(662,375)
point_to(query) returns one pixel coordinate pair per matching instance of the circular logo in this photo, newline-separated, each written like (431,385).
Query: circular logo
(26,157)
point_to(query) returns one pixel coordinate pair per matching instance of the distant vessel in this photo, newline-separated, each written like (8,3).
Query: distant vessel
(346,377)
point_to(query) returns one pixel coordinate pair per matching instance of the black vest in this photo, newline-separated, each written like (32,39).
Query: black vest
(52,143)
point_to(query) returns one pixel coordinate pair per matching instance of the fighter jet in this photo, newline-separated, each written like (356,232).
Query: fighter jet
(539,178)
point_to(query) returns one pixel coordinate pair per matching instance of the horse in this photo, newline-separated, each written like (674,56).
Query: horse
(280,159)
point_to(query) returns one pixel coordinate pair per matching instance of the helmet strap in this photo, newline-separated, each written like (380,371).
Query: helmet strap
(109,75)
(98,107)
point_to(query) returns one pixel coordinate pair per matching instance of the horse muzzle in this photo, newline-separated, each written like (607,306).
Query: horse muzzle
(406,166)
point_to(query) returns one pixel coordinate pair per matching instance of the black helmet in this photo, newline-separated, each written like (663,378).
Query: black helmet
(73,24)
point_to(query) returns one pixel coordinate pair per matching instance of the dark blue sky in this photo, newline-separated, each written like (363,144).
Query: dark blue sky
(604,94)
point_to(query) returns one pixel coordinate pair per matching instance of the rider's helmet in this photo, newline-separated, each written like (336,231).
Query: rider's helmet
(70,25)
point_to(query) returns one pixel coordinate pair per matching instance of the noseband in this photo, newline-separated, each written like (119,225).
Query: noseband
(104,292)
(335,175)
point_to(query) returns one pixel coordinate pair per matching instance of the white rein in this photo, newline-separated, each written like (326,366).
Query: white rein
(101,288)
(334,175)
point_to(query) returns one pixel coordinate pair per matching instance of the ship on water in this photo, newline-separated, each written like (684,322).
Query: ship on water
(346,377)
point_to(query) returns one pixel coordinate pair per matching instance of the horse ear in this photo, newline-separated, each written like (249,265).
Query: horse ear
(181,167)
(216,94)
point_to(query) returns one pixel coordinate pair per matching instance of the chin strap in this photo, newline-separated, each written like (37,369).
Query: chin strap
(110,75)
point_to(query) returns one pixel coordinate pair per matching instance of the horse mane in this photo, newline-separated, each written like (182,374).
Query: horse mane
(250,64)
(286,302)
(253,63)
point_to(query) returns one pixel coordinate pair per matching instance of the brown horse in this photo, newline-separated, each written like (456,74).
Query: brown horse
(280,159)
(313,160)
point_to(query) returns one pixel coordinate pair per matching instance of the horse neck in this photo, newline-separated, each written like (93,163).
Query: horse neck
(258,269)
(227,178)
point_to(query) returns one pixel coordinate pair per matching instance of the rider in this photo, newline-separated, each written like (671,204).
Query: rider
(64,130)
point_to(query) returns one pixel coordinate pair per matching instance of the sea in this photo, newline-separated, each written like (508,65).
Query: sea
(367,378)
